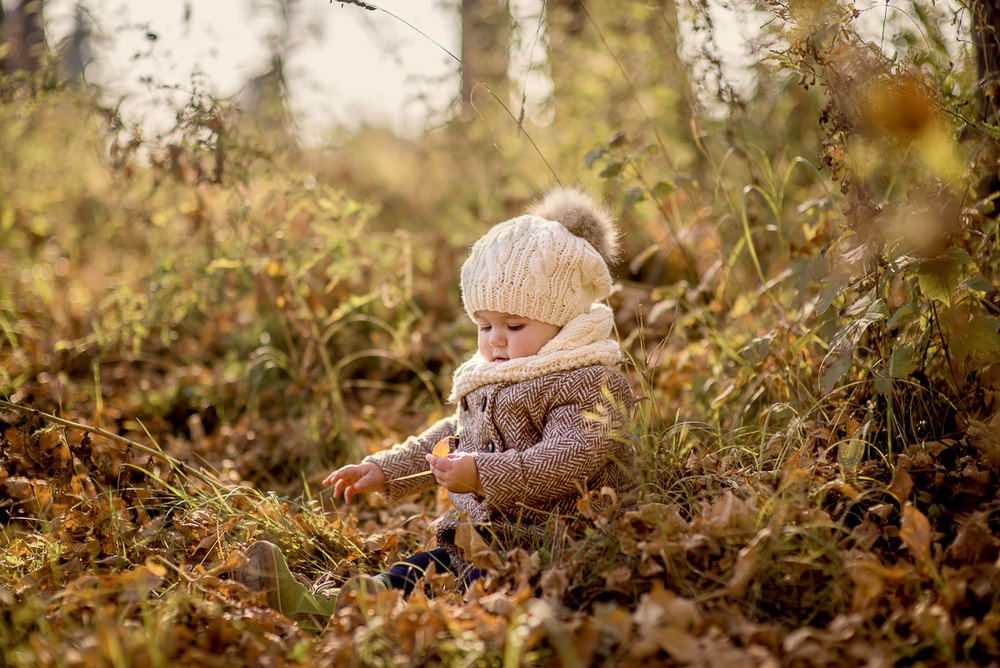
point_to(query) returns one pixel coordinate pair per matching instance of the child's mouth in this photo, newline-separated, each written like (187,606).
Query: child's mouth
(499,359)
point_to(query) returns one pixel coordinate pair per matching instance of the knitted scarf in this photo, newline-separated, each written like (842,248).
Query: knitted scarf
(583,341)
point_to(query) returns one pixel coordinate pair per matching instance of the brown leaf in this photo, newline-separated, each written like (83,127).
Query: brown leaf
(729,514)
(541,620)
(498,603)
(643,648)
(792,472)
(902,484)
(680,645)
(475,548)
(660,607)
(985,437)
(666,622)
(139,581)
(746,564)
(915,531)
(233,561)
(617,578)
(381,542)
(615,620)
(555,582)
(870,578)
(865,534)
(649,532)
(650,566)
(974,542)
(881,510)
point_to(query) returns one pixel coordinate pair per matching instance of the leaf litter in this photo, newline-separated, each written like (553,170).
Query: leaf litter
(756,574)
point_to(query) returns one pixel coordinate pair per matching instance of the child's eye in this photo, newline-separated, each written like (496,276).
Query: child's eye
(484,328)
(515,328)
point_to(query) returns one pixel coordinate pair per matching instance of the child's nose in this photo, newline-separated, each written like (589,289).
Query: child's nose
(497,337)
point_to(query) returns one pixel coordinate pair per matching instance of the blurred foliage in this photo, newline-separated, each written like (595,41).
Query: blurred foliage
(808,302)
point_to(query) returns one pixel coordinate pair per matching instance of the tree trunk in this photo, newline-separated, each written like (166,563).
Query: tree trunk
(22,32)
(486,35)
(986,37)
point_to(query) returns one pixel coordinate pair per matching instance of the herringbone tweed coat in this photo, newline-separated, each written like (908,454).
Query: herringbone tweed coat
(540,444)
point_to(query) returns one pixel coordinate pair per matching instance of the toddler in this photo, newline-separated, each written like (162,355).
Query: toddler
(541,410)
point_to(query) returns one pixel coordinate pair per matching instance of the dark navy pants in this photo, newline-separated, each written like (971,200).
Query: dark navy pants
(404,575)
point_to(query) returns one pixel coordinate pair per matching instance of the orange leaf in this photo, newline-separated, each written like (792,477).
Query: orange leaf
(442,447)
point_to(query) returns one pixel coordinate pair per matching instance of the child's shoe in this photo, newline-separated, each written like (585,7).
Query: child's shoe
(267,571)
(260,573)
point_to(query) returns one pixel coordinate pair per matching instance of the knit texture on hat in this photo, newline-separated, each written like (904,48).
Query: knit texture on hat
(583,341)
(549,265)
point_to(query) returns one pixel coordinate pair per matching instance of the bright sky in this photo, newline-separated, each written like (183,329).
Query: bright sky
(346,62)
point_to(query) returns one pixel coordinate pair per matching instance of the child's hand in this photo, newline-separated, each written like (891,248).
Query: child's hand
(457,472)
(363,477)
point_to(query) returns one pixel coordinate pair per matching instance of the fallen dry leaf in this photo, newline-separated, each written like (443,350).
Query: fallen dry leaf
(915,532)
(746,564)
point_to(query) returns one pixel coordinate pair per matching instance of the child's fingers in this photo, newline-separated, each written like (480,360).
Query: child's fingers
(440,467)
(346,484)
(457,472)
(354,480)
(442,463)
(335,476)
(362,483)
(436,465)
(447,471)
(343,478)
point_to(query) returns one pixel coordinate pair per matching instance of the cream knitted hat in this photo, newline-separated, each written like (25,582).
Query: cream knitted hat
(550,264)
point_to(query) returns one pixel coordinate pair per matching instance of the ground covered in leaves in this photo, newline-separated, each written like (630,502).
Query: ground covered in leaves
(120,557)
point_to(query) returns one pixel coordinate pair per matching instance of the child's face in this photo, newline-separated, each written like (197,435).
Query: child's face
(505,337)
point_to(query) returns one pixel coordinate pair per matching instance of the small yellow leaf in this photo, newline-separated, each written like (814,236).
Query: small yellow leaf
(155,567)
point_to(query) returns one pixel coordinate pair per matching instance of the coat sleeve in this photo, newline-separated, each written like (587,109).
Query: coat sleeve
(584,432)
(407,458)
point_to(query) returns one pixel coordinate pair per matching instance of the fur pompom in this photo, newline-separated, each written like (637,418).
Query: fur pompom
(582,216)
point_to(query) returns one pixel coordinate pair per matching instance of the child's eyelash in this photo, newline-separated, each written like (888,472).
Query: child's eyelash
(513,328)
